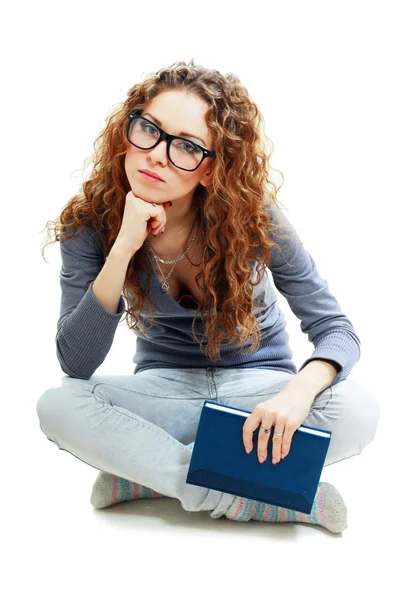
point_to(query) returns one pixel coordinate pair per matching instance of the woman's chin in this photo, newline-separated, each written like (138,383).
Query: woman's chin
(142,193)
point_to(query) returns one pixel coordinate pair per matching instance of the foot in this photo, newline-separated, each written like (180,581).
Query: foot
(328,510)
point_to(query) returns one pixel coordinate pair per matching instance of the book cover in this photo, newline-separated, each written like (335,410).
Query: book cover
(220,462)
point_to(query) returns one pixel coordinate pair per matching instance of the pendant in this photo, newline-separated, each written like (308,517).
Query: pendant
(164,286)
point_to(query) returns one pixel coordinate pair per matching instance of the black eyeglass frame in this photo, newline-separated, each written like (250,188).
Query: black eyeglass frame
(168,138)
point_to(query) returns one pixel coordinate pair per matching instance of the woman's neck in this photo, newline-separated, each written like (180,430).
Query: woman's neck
(169,244)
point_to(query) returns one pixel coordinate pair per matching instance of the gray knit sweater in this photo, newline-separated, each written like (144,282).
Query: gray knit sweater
(85,329)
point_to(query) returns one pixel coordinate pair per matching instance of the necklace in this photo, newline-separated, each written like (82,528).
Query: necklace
(164,284)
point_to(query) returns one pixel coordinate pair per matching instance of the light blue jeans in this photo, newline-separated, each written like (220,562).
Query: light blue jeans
(138,426)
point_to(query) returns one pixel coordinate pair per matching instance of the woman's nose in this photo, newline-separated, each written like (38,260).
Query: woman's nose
(159,152)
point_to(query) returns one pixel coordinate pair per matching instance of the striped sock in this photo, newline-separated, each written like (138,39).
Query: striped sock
(110,489)
(328,510)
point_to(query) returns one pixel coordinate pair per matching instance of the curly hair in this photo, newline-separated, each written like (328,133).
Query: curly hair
(232,207)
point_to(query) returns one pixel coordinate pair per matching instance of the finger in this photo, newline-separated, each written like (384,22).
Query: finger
(156,224)
(263,437)
(160,221)
(160,228)
(287,439)
(277,439)
(157,229)
(249,427)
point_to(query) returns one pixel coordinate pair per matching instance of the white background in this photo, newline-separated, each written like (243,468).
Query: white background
(325,76)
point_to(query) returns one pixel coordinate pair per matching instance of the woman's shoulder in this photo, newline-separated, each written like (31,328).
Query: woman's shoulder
(82,235)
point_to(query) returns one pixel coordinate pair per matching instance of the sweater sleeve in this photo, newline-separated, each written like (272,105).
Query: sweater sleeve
(296,277)
(85,329)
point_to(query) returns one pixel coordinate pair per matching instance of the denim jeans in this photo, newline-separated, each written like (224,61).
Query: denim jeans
(138,426)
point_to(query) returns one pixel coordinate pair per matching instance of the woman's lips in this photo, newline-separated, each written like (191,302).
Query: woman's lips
(150,178)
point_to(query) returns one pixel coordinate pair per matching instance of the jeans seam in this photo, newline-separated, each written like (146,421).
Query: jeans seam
(142,392)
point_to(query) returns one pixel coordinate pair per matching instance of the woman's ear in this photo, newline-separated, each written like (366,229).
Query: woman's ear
(206,179)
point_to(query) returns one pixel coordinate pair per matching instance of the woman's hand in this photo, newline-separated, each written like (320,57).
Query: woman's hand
(286,412)
(139,219)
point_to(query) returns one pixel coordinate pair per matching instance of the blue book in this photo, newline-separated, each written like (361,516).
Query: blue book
(220,462)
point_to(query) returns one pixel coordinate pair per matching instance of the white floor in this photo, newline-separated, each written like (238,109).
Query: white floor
(57,546)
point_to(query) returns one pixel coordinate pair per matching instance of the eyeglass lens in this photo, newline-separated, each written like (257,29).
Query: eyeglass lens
(183,153)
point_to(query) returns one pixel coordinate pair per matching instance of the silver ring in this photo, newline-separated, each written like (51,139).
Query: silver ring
(268,430)
(154,204)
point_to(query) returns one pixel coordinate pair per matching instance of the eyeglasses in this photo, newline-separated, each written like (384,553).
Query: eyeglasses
(183,153)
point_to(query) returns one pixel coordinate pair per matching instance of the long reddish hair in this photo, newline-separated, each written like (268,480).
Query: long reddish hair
(232,208)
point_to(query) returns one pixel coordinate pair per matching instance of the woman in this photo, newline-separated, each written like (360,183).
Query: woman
(206,209)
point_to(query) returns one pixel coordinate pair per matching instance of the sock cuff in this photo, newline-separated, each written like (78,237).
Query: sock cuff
(238,510)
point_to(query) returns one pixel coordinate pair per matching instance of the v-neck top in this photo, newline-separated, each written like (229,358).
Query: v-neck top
(188,301)
(86,330)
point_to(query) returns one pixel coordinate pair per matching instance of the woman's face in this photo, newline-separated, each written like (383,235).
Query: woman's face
(175,111)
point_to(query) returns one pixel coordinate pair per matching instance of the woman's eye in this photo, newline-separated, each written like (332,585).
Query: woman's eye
(188,147)
(146,127)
